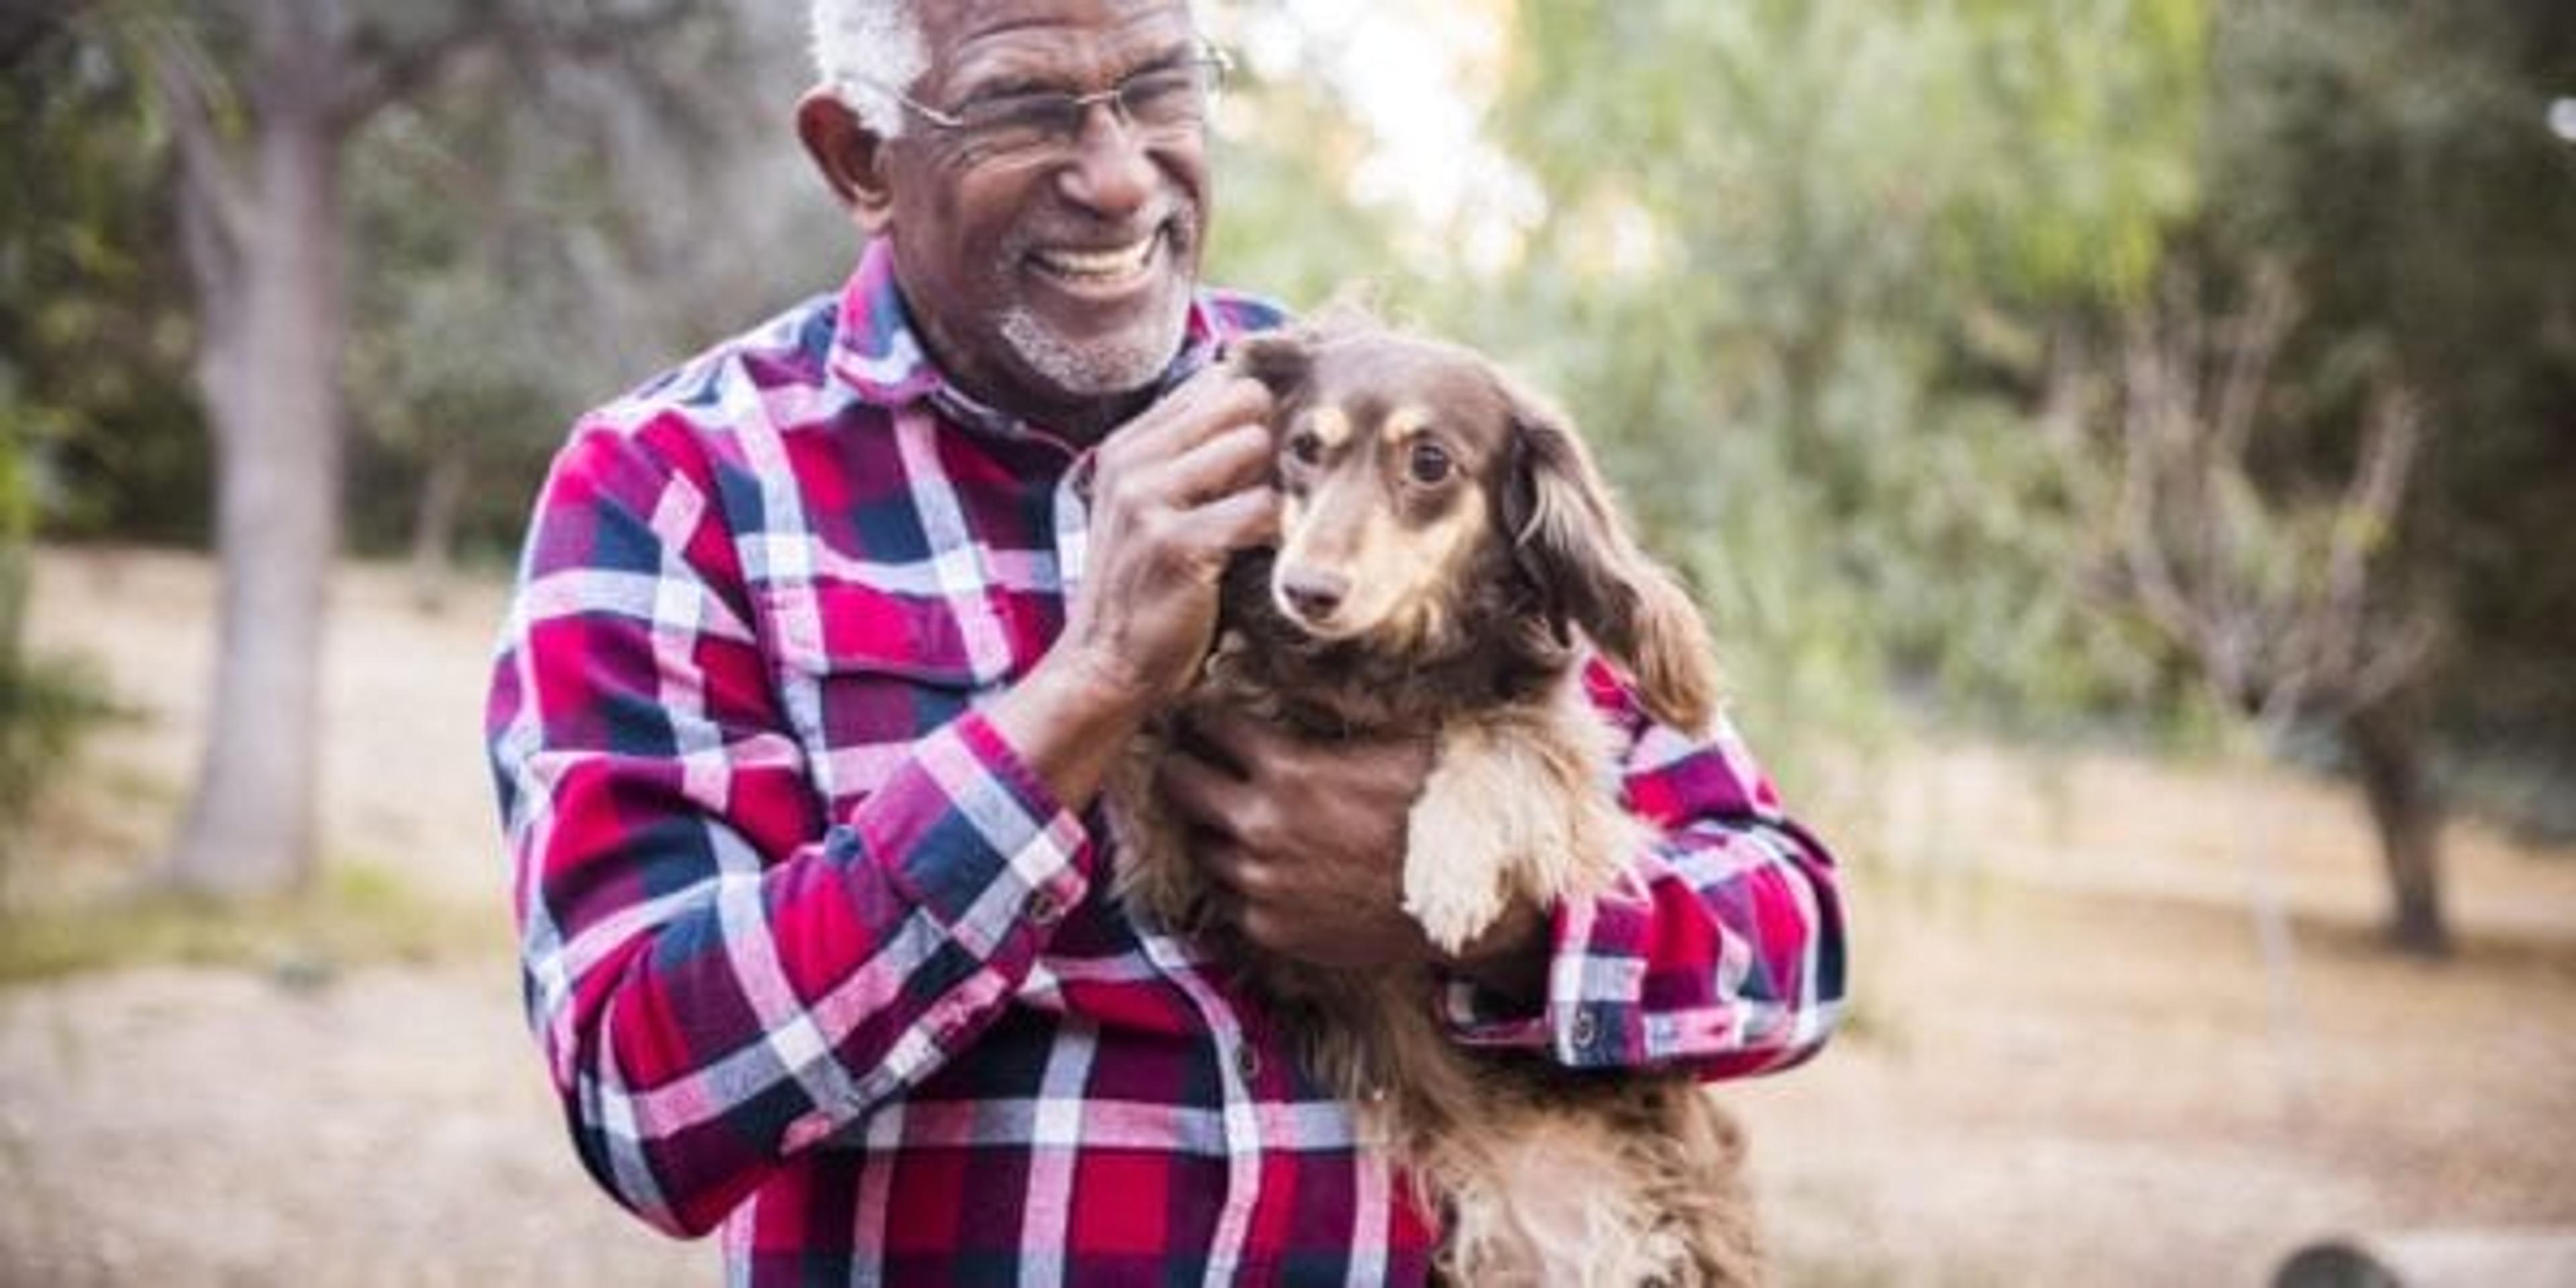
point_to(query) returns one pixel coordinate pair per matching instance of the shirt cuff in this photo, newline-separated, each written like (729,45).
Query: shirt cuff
(969,832)
(1586,1020)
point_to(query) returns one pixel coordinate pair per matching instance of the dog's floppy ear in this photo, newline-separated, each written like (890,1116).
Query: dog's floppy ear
(1279,359)
(1569,541)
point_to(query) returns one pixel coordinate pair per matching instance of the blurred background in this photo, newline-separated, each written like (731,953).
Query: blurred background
(2126,449)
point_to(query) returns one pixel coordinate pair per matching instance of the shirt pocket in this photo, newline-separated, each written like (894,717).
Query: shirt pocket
(863,673)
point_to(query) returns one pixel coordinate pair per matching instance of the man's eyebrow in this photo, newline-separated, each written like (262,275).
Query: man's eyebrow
(1012,81)
(1170,57)
(1010,84)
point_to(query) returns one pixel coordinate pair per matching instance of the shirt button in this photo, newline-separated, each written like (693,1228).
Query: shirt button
(1043,910)
(1247,1061)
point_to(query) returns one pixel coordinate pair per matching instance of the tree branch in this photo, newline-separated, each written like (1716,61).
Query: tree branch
(382,76)
(2273,602)
(217,211)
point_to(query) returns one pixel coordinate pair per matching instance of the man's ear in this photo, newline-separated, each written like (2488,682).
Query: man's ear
(850,156)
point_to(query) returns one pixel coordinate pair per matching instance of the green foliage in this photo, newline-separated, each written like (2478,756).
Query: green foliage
(1861,222)
(2394,159)
(1808,272)
(44,704)
(1284,227)
(65,287)
(518,254)
(95,335)
(538,234)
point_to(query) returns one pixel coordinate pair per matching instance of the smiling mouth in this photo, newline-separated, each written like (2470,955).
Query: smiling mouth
(1104,271)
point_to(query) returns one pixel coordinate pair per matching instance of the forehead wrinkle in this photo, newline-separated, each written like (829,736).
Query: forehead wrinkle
(1043,52)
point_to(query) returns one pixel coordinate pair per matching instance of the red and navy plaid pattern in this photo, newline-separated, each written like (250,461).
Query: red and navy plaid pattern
(814,956)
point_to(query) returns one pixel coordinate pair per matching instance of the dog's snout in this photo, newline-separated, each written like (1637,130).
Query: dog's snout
(1313,592)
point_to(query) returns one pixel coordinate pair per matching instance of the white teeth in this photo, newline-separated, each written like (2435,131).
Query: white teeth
(1122,262)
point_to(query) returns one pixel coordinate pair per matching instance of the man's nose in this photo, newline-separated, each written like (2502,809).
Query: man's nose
(1112,172)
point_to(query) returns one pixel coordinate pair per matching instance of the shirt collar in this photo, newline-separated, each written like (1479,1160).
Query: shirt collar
(876,352)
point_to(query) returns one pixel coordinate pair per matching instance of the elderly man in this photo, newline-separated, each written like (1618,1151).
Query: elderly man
(823,644)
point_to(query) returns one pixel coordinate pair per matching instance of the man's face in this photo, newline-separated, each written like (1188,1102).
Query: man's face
(1049,282)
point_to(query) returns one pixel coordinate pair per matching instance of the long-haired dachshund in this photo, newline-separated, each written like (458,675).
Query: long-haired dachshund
(1448,552)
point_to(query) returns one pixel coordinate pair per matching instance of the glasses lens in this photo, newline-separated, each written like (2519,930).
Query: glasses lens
(1165,101)
(1172,99)
(1021,122)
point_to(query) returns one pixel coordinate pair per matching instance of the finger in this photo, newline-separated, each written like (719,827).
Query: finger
(1200,791)
(1186,740)
(1264,928)
(1235,870)
(1242,521)
(1234,736)
(1231,461)
(1207,404)
(1397,756)
(1224,906)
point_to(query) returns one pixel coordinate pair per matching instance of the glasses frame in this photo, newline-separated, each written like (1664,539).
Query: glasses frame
(1211,62)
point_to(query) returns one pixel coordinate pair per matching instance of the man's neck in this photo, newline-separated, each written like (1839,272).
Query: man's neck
(1094,420)
(1081,421)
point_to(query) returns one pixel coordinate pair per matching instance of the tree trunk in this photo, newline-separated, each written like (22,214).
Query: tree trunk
(433,529)
(2387,745)
(271,363)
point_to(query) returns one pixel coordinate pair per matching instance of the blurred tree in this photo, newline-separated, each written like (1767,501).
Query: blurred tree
(88,266)
(2395,159)
(526,258)
(2273,598)
(1285,225)
(2278,603)
(81,274)
(262,99)
(1778,233)
(1838,284)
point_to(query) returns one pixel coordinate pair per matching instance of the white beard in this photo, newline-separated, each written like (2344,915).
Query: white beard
(1118,364)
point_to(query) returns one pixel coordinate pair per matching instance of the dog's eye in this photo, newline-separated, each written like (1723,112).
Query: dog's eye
(1306,447)
(1429,463)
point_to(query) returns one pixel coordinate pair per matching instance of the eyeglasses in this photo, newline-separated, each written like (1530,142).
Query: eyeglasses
(1156,103)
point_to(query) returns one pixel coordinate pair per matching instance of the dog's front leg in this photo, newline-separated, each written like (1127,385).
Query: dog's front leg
(1517,802)
(1488,814)
(1461,839)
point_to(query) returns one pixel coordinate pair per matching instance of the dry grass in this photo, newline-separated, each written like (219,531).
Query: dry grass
(2066,1065)
(2072,1066)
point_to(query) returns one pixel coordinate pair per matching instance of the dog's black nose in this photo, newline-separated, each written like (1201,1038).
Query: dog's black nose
(1313,593)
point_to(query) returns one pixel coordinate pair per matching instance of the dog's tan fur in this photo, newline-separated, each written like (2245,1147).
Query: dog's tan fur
(1454,606)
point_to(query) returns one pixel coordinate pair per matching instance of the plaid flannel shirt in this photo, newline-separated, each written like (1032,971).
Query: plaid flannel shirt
(813,955)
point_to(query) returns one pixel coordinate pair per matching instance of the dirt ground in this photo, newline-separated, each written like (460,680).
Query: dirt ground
(2066,1064)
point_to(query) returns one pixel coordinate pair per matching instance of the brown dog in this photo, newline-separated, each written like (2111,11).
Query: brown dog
(1447,550)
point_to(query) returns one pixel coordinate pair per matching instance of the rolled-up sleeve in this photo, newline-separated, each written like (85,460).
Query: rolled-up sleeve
(1722,952)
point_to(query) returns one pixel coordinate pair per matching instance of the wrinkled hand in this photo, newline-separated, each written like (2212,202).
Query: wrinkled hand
(1305,840)
(1175,493)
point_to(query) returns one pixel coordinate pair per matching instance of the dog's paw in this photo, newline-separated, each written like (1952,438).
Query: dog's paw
(1453,922)
(1456,857)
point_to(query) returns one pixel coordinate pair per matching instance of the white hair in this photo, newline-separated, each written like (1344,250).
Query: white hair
(866,51)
